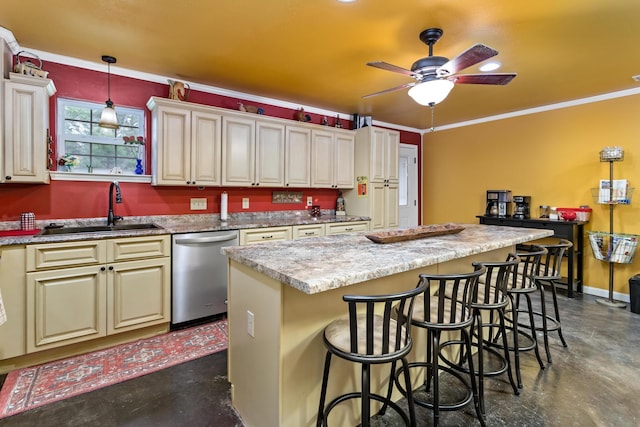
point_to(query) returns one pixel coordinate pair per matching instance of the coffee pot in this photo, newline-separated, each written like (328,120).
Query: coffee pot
(178,90)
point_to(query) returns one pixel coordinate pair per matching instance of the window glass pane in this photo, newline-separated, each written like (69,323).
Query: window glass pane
(403,181)
(102,148)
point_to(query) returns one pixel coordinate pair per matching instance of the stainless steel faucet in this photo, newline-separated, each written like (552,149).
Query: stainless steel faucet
(111,218)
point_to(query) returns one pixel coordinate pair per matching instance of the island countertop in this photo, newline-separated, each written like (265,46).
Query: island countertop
(320,264)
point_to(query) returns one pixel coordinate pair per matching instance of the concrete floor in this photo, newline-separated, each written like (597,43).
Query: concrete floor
(593,382)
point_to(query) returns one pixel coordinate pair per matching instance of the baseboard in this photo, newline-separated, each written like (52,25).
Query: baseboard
(618,296)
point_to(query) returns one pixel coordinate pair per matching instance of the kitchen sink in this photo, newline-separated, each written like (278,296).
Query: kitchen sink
(98,229)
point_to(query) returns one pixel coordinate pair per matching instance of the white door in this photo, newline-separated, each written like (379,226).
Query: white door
(408,185)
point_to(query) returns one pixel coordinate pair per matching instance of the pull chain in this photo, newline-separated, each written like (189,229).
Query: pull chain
(432,106)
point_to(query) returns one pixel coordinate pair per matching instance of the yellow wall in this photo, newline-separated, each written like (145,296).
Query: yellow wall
(551,156)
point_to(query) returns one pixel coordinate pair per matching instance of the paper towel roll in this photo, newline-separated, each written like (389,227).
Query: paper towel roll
(223,206)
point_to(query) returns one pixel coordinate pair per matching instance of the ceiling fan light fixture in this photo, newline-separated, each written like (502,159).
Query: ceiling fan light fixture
(108,118)
(431,92)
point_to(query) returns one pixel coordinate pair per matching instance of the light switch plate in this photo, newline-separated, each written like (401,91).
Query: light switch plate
(309,200)
(198,204)
(245,203)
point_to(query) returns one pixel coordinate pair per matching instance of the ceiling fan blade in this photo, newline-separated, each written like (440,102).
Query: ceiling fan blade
(473,55)
(390,67)
(483,79)
(390,90)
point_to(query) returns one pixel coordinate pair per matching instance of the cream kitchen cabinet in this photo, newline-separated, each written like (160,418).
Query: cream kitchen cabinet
(332,159)
(297,157)
(266,234)
(186,144)
(346,227)
(253,152)
(79,291)
(26,124)
(307,230)
(377,152)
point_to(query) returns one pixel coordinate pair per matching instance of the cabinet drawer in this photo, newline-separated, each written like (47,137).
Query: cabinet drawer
(346,227)
(126,249)
(56,255)
(308,230)
(258,235)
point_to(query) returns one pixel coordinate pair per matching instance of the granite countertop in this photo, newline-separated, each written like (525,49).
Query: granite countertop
(330,262)
(173,224)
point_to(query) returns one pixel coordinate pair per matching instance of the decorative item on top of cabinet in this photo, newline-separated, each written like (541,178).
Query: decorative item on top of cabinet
(26,122)
(179,91)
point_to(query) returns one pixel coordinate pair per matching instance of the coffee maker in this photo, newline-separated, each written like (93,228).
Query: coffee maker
(521,210)
(498,203)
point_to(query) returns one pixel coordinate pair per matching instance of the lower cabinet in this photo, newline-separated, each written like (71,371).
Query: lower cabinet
(273,234)
(125,286)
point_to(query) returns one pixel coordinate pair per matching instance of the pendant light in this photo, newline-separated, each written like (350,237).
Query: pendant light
(109,119)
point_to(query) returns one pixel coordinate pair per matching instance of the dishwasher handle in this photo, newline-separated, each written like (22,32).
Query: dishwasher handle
(210,239)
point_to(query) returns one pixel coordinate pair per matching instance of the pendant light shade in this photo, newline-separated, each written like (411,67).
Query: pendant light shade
(109,119)
(431,92)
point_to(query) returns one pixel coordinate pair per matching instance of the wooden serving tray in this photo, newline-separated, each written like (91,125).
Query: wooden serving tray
(392,236)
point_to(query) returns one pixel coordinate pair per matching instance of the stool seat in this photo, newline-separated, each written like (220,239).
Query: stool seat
(338,335)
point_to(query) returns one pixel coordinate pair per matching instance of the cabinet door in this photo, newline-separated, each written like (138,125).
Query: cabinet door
(238,151)
(307,230)
(344,163)
(346,227)
(269,154)
(378,155)
(297,171)
(377,192)
(322,159)
(26,122)
(173,147)
(206,147)
(65,306)
(138,294)
(268,234)
(392,156)
(392,212)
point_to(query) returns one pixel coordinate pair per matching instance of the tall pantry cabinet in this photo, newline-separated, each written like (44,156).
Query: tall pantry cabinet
(376,173)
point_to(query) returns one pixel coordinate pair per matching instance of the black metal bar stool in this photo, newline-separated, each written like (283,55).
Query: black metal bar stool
(548,275)
(491,301)
(448,310)
(523,286)
(370,335)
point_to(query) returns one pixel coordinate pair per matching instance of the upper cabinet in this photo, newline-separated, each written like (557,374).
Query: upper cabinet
(186,144)
(252,152)
(384,155)
(332,159)
(199,145)
(26,129)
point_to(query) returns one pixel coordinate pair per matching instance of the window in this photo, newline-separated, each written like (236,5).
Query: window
(98,149)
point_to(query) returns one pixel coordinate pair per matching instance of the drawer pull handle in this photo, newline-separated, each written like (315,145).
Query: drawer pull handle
(267,237)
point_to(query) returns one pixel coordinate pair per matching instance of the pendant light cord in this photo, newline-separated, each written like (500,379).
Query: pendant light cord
(433,114)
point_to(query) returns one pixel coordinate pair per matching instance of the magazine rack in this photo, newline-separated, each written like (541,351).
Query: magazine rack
(611,247)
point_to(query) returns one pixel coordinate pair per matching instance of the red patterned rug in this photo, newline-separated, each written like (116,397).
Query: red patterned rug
(39,385)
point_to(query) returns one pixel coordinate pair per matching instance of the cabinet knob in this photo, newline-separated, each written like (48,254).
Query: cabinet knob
(8,178)
(111,268)
(102,268)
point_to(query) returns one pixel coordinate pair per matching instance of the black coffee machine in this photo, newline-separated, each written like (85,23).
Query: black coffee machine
(498,203)
(521,210)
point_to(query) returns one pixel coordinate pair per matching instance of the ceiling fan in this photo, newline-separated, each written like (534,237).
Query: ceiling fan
(436,75)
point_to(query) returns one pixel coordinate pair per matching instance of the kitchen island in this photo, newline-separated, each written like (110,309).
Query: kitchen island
(282,295)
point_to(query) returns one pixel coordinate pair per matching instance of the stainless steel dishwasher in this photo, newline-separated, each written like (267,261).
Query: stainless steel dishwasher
(199,274)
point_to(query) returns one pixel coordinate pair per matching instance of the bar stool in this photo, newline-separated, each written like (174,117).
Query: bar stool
(491,300)
(523,286)
(448,310)
(548,274)
(370,335)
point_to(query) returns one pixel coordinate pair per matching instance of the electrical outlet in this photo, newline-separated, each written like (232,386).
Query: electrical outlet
(199,204)
(309,200)
(245,203)
(250,324)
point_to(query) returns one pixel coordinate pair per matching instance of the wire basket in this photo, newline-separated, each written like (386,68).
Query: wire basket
(619,248)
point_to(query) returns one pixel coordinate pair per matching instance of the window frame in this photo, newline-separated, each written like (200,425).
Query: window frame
(62,136)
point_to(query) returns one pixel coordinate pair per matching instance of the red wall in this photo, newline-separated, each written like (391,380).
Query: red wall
(78,199)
